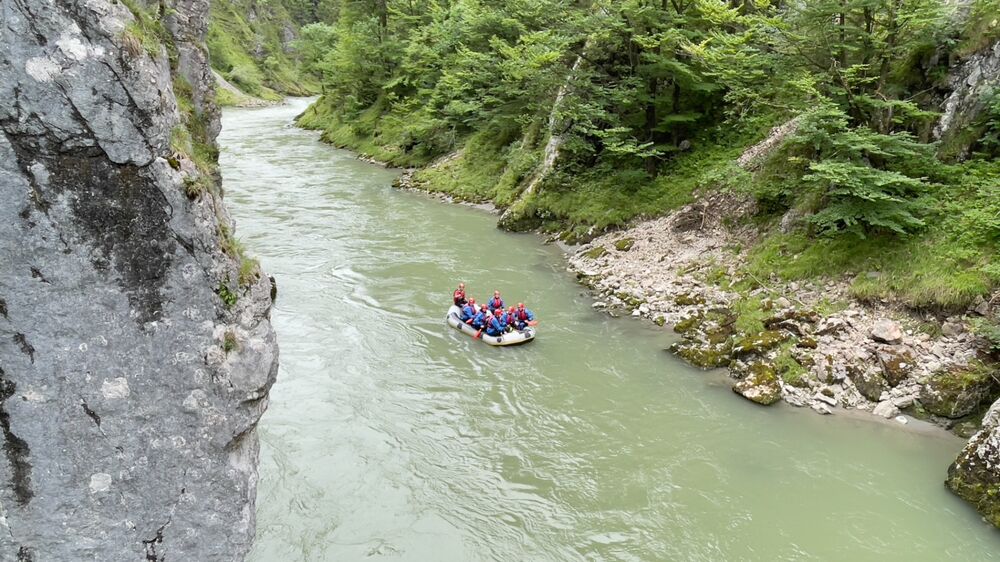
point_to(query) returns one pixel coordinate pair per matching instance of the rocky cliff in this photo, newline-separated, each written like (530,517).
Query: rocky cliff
(136,351)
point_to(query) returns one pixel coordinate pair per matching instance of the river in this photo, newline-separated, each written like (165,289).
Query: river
(392,436)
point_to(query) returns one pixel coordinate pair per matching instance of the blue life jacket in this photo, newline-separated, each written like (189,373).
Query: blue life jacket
(478,319)
(468,312)
(495,328)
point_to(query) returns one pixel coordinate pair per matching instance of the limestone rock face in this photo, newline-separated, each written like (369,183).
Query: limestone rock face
(129,390)
(975,475)
(971,84)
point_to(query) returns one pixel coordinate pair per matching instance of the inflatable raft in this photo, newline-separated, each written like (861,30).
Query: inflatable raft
(517,337)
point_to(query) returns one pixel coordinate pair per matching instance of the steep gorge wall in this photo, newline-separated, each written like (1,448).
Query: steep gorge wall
(136,353)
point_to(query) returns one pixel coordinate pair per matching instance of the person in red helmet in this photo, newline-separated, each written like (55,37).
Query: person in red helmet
(459,295)
(523,317)
(469,311)
(496,302)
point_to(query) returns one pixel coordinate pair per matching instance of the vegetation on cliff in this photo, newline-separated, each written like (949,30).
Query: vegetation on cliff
(654,101)
(252,46)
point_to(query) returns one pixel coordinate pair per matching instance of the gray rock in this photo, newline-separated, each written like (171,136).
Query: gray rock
(761,385)
(957,392)
(820,397)
(821,408)
(974,475)
(971,83)
(887,331)
(870,383)
(124,438)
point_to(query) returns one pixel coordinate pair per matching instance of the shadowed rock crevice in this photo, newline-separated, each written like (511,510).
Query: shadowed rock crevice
(15,449)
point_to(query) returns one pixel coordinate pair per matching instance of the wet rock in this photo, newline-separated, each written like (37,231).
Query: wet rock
(957,392)
(887,331)
(701,355)
(761,385)
(974,475)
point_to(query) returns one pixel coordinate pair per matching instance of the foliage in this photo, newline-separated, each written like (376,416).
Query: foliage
(248,45)
(650,103)
(861,181)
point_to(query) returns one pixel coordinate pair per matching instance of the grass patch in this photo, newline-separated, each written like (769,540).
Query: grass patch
(750,315)
(229,298)
(229,342)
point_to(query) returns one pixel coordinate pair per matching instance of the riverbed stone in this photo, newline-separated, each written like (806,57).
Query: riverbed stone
(761,384)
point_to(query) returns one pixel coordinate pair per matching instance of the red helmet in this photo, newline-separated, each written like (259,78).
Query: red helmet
(472,300)
(520,305)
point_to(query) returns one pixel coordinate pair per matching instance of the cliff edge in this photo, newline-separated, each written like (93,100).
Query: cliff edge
(136,351)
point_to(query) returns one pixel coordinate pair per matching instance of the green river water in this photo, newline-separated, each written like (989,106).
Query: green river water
(390,436)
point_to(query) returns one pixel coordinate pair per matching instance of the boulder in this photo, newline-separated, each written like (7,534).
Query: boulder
(957,392)
(702,355)
(897,365)
(887,331)
(761,385)
(886,410)
(869,382)
(757,344)
(974,475)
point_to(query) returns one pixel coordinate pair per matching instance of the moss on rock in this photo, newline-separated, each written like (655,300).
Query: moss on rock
(595,252)
(958,392)
(757,344)
(624,245)
(871,384)
(896,365)
(689,300)
(974,476)
(761,384)
(701,355)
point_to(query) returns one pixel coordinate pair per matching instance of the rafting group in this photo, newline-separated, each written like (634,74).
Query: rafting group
(502,325)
